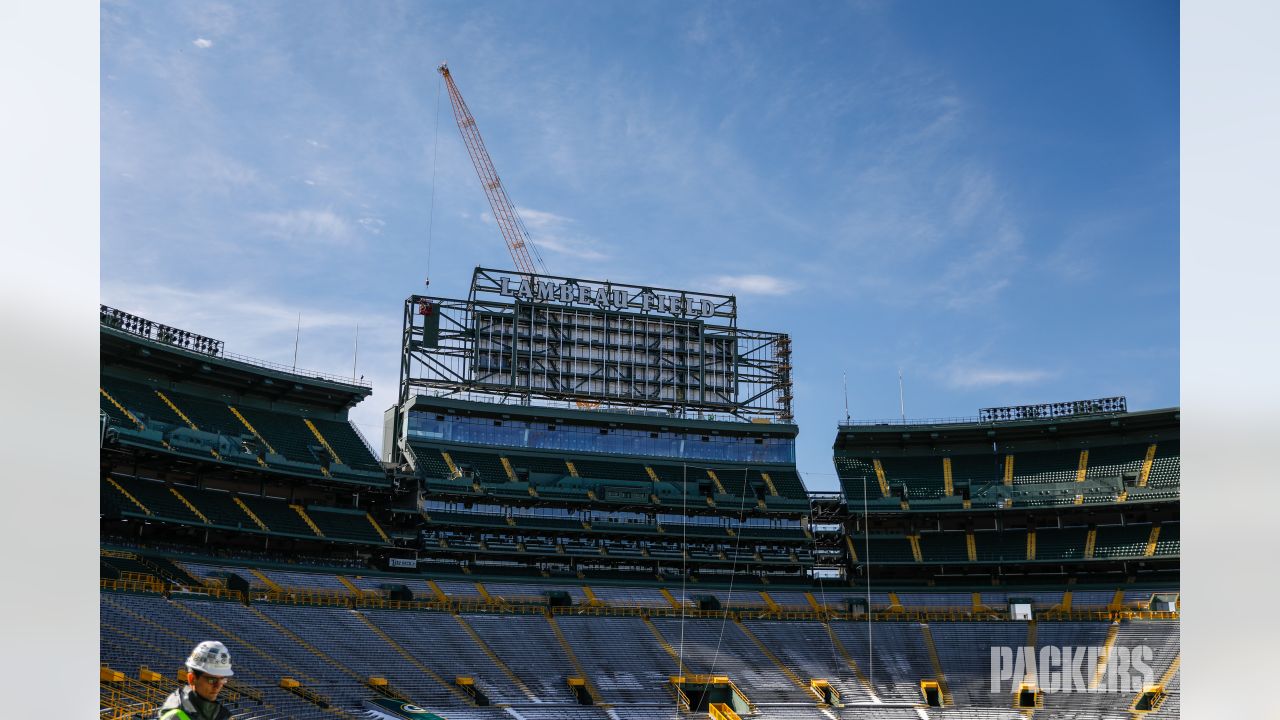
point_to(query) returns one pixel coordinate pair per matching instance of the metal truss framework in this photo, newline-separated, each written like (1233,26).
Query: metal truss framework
(517,338)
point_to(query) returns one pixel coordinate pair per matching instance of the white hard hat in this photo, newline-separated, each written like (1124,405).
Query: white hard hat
(211,658)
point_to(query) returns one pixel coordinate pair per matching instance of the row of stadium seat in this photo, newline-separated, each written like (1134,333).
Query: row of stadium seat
(925,477)
(514,524)
(197,506)
(524,660)
(489,469)
(286,433)
(356,582)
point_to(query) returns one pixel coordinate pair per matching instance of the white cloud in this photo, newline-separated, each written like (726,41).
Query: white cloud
(304,226)
(541,220)
(202,43)
(751,285)
(978,377)
(550,231)
(372,224)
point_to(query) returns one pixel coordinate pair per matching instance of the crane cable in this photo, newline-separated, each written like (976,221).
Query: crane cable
(435,145)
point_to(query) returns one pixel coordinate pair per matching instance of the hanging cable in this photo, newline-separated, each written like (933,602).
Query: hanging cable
(684,564)
(822,593)
(866,563)
(435,145)
(733,572)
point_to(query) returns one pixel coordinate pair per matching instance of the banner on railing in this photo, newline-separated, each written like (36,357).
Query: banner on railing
(402,563)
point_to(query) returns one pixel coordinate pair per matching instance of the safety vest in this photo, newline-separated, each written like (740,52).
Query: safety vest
(176,714)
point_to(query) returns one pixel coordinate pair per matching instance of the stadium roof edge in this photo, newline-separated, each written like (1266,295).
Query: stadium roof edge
(957,429)
(128,349)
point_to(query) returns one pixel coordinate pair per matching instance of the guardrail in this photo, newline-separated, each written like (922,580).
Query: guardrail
(326,598)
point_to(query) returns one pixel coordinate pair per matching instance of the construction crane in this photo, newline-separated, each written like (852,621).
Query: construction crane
(504,212)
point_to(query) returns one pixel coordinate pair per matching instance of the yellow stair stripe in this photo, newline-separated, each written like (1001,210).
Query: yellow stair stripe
(895,605)
(190,507)
(769,654)
(948,487)
(128,495)
(592,600)
(1090,541)
(848,660)
(573,470)
(1162,683)
(493,658)
(252,515)
(484,593)
(175,409)
(652,475)
(573,659)
(1173,668)
(122,408)
(271,584)
(884,484)
(355,590)
(1082,468)
(716,479)
(1008,469)
(1151,541)
(320,654)
(813,602)
(302,513)
(768,481)
(506,466)
(252,429)
(670,598)
(970,545)
(448,460)
(770,601)
(316,431)
(1031,544)
(940,677)
(1117,600)
(378,529)
(1146,465)
(662,642)
(435,589)
(914,540)
(1103,655)
(853,554)
(413,660)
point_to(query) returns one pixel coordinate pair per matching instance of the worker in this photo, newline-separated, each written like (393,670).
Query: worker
(208,670)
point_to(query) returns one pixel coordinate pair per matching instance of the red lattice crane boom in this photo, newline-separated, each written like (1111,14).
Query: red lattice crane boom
(504,212)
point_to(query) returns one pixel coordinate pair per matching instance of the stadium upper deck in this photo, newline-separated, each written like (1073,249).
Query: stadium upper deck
(172,392)
(972,465)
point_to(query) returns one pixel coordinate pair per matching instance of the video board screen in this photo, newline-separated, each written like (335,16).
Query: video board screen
(576,351)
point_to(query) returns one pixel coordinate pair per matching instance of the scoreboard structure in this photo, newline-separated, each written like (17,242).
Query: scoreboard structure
(518,337)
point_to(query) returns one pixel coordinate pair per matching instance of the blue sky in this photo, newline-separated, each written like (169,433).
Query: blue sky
(983,194)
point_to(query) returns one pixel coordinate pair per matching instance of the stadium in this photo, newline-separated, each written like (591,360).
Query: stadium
(591,509)
(586,503)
